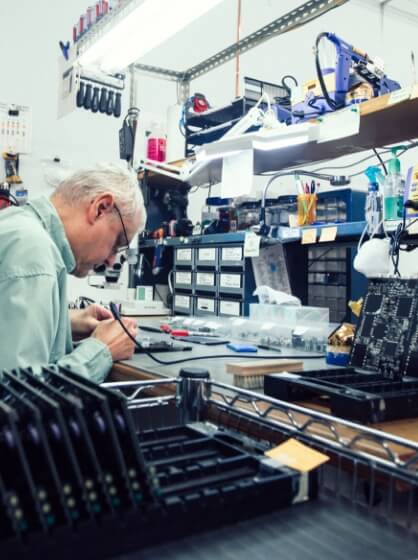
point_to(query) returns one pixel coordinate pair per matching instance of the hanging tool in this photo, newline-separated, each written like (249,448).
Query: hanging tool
(95,100)
(80,94)
(87,97)
(110,103)
(117,109)
(103,100)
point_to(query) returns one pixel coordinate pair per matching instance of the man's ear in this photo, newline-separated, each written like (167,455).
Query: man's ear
(100,206)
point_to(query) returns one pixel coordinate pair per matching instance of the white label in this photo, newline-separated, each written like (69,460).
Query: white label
(205,279)
(399,95)
(204,304)
(230,308)
(182,301)
(230,281)
(207,254)
(232,254)
(252,245)
(184,254)
(184,278)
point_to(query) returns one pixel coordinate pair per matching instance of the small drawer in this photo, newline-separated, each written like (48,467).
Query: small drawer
(183,303)
(232,256)
(231,308)
(205,281)
(206,257)
(205,306)
(183,279)
(183,257)
(231,282)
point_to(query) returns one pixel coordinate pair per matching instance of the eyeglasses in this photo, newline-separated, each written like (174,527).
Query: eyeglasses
(122,248)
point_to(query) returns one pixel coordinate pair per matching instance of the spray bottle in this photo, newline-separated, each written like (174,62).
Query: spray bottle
(393,190)
(373,209)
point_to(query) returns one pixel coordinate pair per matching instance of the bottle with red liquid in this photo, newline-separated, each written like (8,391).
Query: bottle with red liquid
(156,144)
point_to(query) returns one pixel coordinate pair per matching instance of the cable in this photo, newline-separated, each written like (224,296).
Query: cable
(117,317)
(382,163)
(331,102)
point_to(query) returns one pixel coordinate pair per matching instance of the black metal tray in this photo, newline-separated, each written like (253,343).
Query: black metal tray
(364,397)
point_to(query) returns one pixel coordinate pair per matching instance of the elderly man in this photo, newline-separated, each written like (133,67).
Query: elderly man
(90,217)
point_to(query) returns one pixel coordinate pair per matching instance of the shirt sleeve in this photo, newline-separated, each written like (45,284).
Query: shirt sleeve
(91,358)
(33,329)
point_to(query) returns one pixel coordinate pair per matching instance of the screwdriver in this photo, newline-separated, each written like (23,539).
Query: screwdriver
(80,95)
(103,100)
(118,107)
(95,100)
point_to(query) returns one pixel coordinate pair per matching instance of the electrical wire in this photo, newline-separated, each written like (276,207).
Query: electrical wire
(117,317)
(331,102)
(350,164)
(382,163)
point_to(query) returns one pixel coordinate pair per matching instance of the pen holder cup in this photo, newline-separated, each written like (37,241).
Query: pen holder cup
(306,209)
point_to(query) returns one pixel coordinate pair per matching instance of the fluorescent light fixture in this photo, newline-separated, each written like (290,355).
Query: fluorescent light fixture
(143,28)
(269,144)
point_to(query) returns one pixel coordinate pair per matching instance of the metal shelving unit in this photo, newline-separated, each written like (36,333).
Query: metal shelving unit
(369,468)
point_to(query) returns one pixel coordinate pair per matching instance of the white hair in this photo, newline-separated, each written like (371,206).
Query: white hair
(86,184)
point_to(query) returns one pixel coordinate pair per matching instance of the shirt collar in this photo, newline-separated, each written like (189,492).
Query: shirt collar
(48,215)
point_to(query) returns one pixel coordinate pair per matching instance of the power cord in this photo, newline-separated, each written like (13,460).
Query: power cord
(117,317)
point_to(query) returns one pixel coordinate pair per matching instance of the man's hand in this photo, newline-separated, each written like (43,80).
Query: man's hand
(84,321)
(111,333)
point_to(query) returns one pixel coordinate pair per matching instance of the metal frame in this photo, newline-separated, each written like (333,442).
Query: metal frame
(305,13)
(388,451)
(368,468)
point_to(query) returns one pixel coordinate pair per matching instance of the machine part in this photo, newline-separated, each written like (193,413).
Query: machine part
(11,164)
(354,78)
(127,133)
(6,197)
(192,393)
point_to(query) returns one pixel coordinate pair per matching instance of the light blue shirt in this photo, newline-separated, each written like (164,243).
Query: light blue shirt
(35,329)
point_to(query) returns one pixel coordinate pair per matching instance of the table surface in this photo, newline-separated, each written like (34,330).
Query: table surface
(323,528)
(142,364)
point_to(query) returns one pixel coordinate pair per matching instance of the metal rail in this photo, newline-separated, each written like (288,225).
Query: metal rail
(292,20)
(387,450)
(369,468)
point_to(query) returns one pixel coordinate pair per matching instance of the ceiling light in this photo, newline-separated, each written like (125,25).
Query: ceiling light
(143,28)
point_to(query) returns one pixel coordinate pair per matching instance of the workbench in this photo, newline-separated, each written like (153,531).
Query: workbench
(142,367)
(329,527)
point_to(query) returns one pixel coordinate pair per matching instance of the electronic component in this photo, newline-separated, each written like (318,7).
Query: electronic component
(151,346)
(379,383)
(74,471)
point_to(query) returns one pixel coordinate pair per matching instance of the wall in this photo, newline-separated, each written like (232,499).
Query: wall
(29,47)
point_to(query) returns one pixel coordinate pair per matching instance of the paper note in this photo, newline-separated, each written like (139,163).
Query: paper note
(293,221)
(297,456)
(251,245)
(328,234)
(399,95)
(237,174)
(308,236)
(340,124)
